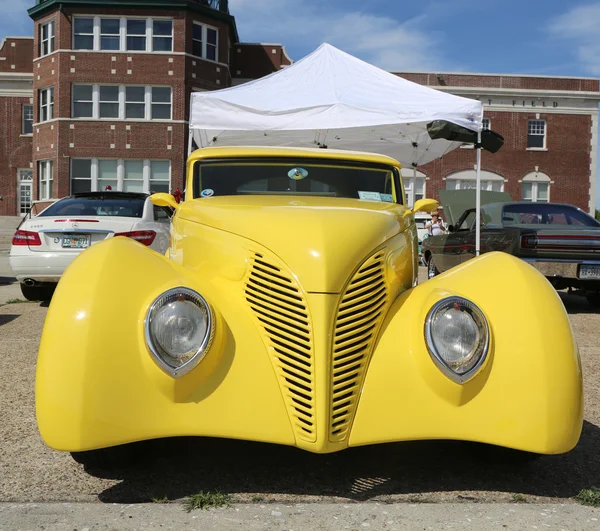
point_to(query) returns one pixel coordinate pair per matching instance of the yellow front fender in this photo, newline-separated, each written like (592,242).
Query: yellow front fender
(527,396)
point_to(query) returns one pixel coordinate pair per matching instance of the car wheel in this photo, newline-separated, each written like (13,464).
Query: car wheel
(594,299)
(432,270)
(40,292)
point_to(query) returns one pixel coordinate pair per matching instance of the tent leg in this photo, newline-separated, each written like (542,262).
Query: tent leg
(190,140)
(478,198)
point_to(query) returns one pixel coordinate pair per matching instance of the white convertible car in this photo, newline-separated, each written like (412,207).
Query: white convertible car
(44,245)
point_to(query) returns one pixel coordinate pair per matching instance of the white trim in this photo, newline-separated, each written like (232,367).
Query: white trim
(465,74)
(205,27)
(593,163)
(137,52)
(535,191)
(536,177)
(49,178)
(108,120)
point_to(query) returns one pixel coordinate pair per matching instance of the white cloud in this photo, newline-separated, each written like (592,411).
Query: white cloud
(580,26)
(384,41)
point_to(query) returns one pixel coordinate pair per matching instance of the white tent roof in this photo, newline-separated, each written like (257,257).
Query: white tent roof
(334,99)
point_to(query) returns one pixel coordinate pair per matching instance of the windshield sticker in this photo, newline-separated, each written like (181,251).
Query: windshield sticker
(208,192)
(370,196)
(297,174)
(388,198)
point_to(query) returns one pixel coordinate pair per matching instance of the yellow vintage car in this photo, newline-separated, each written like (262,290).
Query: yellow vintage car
(287,310)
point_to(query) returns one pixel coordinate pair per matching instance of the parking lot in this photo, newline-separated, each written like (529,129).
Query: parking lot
(416,472)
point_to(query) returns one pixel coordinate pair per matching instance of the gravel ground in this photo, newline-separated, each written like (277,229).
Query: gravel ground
(412,472)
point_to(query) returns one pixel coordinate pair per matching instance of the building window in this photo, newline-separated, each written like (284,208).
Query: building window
(27,126)
(83,33)
(46,179)
(81,175)
(414,185)
(467,180)
(46,38)
(123,34)
(162,35)
(25,177)
(94,175)
(83,101)
(136,35)
(536,187)
(46,104)
(137,103)
(536,134)
(205,41)
(109,101)
(110,34)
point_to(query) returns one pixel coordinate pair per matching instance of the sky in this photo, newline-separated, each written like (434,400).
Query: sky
(543,37)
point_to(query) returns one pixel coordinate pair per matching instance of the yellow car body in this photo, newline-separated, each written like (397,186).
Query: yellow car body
(280,273)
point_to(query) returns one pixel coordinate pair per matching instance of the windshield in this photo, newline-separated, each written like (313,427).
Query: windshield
(546,214)
(295,177)
(93,206)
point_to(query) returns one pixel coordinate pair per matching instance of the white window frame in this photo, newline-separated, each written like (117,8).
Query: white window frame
(24,180)
(147,103)
(46,110)
(470,176)
(23,120)
(544,135)
(146,172)
(535,179)
(49,40)
(98,23)
(205,28)
(100,101)
(45,175)
(148,34)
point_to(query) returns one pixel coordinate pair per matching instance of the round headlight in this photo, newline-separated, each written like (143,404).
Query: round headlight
(179,330)
(457,336)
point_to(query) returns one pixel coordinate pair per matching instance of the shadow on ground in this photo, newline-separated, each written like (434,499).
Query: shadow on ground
(576,303)
(185,466)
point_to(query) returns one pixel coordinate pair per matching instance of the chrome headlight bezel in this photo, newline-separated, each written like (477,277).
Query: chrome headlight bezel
(478,316)
(157,352)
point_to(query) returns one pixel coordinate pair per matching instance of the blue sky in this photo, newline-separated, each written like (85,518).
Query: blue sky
(544,37)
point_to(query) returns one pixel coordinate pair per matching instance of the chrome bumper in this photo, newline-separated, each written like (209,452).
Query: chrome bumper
(560,268)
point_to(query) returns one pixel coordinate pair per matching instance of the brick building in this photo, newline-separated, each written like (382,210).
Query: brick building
(550,128)
(100,97)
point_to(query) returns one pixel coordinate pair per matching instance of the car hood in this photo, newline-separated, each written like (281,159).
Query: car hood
(320,239)
(455,202)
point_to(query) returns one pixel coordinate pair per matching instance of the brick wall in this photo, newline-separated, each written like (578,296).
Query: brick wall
(15,152)
(16,54)
(566,162)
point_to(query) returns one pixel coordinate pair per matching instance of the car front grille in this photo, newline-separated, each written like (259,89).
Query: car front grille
(362,307)
(280,307)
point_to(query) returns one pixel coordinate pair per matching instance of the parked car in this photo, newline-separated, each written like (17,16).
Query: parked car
(46,243)
(421,218)
(286,310)
(559,240)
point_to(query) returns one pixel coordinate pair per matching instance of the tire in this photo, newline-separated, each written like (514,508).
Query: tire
(40,292)
(594,299)
(432,270)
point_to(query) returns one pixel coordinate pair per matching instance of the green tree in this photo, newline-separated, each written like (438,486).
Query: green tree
(598,214)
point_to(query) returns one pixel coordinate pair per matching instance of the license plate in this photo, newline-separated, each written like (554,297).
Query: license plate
(76,241)
(589,271)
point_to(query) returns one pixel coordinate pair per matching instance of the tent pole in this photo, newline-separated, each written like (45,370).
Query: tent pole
(190,140)
(478,198)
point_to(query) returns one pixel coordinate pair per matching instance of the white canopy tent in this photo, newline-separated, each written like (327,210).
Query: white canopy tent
(332,99)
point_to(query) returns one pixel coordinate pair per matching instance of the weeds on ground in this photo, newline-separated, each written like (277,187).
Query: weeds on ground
(206,500)
(420,499)
(14,301)
(518,498)
(257,498)
(164,499)
(589,497)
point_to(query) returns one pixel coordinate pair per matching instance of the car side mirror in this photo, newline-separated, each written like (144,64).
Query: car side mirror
(422,205)
(164,200)
(450,228)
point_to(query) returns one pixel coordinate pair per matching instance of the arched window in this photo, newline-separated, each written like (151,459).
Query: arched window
(466,180)
(536,187)
(414,185)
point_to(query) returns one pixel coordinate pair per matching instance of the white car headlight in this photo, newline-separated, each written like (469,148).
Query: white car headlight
(179,330)
(457,336)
